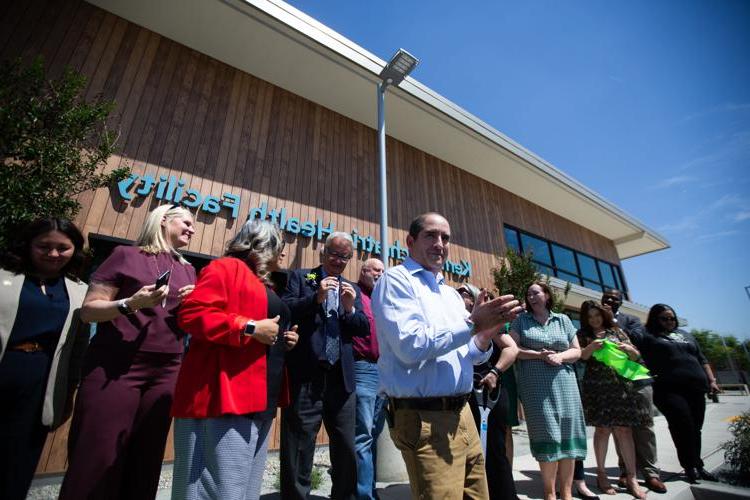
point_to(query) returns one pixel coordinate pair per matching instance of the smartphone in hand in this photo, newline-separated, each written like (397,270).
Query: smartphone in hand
(163,279)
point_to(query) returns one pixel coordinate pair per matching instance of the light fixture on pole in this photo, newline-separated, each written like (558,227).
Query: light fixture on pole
(398,68)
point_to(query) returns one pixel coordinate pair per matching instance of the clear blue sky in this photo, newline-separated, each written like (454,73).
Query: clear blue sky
(647,103)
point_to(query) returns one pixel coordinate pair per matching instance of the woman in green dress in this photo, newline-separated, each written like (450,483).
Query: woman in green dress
(547,386)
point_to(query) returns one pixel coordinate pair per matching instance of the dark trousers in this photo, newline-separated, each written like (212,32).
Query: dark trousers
(120,426)
(23,381)
(499,472)
(578,471)
(323,399)
(684,411)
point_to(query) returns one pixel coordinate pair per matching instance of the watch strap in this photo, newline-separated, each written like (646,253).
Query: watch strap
(249,328)
(123,307)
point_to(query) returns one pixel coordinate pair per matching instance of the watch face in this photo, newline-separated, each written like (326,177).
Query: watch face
(250,328)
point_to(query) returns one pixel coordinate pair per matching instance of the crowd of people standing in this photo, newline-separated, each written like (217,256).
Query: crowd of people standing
(221,352)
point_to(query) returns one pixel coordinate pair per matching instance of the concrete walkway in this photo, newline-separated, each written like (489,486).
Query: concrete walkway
(715,432)
(525,469)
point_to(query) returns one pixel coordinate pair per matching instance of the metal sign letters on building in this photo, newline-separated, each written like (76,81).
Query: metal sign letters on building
(173,190)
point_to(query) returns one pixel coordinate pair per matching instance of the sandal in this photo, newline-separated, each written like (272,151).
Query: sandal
(635,490)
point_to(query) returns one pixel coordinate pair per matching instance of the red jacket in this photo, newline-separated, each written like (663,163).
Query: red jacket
(223,372)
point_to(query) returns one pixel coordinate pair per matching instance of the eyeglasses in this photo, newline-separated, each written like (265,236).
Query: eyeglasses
(667,318)
(339,256)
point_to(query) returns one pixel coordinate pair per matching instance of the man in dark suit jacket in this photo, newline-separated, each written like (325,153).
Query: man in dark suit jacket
(328,310)
(644,438)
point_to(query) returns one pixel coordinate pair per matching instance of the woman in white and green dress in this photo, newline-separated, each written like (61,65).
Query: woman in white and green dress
(547,386)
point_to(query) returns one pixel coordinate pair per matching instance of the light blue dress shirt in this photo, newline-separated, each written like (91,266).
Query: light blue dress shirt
(426,347)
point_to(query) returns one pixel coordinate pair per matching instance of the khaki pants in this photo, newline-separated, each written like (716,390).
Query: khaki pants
(442,452)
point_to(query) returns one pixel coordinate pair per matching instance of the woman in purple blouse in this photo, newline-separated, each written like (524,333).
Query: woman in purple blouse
(121,416)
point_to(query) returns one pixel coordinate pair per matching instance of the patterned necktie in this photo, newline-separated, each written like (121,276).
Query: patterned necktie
(332,301)
(333,339)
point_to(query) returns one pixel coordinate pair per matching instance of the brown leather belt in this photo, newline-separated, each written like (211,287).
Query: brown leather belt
(450,403)
(29,346)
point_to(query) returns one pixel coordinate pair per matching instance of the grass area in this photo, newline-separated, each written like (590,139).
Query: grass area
(316,479)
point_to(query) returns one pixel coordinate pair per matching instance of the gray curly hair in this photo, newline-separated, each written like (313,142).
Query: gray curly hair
(258,242)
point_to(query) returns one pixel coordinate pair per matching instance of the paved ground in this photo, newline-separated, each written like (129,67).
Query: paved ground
(526,472)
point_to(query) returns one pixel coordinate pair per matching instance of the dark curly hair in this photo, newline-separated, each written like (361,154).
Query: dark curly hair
(17,257)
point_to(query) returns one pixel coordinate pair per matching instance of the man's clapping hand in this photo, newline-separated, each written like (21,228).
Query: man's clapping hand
(490,315)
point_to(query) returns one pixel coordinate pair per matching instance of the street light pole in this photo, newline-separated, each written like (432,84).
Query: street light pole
(393,73)
(383,181)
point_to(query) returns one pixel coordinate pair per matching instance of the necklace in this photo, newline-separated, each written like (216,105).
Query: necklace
(156,265)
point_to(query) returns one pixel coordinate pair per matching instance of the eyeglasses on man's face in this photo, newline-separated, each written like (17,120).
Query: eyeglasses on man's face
(339,256)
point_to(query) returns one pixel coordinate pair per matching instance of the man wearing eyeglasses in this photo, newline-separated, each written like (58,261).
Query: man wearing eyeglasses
(328,310)
(644,438)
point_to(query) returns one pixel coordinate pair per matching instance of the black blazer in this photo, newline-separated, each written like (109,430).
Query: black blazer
(303,360)
(631,325)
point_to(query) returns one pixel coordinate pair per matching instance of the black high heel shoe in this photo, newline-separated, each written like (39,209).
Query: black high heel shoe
(704,474)
(584,497)
(692,475)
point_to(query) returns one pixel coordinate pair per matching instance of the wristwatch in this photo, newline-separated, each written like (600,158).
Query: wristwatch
(124,308)
(249,328)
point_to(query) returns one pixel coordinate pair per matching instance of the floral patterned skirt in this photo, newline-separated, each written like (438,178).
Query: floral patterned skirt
(612,401)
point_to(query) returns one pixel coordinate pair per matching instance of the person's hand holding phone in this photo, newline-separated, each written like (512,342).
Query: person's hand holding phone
(148,296)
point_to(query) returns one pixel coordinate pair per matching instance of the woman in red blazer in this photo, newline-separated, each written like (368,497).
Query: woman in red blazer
(232,377)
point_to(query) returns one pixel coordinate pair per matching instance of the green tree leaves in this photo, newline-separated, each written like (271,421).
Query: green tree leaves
(53,144)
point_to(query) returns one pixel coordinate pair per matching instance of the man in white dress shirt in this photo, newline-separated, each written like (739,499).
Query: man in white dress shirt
(428,346)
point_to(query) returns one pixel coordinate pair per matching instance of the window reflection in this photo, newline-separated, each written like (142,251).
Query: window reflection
(553,259)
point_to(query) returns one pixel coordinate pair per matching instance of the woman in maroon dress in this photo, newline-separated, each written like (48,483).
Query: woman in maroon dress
(121,416)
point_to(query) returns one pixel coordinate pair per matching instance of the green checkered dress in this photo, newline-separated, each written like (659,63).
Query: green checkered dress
(554,415)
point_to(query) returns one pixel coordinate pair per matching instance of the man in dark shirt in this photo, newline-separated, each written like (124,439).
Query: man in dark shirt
(643,437)
(369,405)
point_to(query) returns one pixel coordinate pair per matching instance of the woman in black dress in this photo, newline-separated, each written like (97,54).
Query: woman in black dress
(682,377)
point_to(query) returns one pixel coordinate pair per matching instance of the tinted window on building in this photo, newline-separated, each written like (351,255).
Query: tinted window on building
(537,247)
(553,259)
(588,267)
(607,277)
(564,259)
(511,239)
(544,269)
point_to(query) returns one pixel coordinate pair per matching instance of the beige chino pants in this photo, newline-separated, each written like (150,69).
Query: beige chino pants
(442,452)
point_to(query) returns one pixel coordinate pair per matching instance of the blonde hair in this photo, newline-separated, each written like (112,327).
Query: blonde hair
(257,243)
(152,239)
